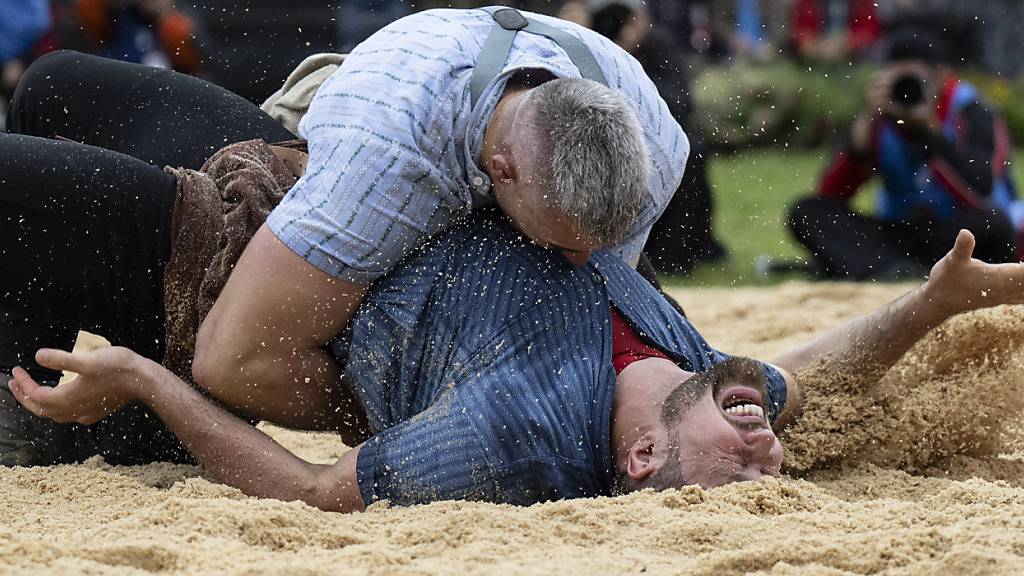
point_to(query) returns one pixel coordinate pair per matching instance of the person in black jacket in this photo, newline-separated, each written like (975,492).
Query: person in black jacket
(683,237)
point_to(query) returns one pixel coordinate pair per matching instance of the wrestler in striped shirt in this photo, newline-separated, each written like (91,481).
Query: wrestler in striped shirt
(396,149)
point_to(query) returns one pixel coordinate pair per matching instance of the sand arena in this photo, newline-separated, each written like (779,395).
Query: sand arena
(922,473)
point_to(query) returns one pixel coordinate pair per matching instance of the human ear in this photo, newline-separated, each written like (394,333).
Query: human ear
(639,464)
(502,168)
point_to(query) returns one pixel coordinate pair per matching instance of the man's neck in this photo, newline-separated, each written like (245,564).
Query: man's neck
(499,129)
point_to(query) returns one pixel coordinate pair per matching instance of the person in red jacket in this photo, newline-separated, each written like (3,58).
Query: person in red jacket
(942,155)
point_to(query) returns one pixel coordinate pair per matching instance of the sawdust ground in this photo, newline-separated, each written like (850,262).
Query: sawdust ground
(918,474)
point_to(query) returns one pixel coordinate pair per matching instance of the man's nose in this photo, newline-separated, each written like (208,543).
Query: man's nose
(761,448)
(577,258)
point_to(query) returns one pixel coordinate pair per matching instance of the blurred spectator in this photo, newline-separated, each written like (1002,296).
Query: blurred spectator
(683,236)
(359,19)
(151,32)
(834,29)
(942,154)
(988,33)
(22,22)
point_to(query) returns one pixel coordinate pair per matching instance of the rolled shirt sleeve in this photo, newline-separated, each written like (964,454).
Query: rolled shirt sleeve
(364,204)
(388,134)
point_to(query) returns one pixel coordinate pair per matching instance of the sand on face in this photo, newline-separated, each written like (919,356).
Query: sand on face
(921,474)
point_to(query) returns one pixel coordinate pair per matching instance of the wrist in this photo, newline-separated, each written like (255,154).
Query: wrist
(142,379)
(936,304)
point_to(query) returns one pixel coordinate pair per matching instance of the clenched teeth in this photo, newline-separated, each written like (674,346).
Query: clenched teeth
(745,410)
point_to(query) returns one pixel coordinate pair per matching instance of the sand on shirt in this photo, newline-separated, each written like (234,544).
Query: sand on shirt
(920,473)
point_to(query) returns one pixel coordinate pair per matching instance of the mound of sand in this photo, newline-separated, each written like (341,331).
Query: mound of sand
(921,472)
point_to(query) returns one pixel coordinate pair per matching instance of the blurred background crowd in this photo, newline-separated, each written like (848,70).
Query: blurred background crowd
(791,106)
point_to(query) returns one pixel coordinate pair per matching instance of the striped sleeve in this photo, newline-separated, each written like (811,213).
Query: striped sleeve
(437,455)
(777,391)
(365,202)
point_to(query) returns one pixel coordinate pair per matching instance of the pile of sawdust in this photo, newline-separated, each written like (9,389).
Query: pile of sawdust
(920,473)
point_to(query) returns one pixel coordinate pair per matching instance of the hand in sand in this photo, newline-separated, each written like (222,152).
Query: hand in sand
(108,378)
(959,283)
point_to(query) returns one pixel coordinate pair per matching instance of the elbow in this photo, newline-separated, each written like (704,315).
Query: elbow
(320,490)
(216,363)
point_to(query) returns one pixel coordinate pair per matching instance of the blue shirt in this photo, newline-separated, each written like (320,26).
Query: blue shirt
(395,144)
(484,365)
(23,22)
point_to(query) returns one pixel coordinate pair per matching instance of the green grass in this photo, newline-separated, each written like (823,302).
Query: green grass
(753,190)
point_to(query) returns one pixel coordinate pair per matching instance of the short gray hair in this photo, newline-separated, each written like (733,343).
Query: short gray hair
(590,152)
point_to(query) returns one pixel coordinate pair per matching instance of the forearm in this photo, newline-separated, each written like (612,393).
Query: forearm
(872,343)
(259,350)
(295,388)
(235,452)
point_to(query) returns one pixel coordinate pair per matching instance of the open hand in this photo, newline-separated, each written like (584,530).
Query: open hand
(108,378)
(959,283)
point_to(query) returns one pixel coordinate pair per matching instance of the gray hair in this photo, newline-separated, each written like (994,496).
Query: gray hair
(590,153)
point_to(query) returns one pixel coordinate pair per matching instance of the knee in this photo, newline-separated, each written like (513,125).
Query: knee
(40,78)
(46,70)
(802,215)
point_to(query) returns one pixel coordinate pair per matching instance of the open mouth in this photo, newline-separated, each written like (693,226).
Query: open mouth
(742,403)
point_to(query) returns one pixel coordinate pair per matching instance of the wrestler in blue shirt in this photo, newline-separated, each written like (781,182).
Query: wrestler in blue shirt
(483,364)
(484,367)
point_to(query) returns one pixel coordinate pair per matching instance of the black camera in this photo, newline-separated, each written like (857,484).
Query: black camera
(907,90)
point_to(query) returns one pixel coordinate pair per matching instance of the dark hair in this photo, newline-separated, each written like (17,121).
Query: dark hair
(916,44)
(609,21)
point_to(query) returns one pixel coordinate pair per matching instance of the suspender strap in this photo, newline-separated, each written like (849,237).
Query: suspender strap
(499,42)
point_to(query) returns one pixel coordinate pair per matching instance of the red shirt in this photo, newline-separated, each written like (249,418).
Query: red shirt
(627,347)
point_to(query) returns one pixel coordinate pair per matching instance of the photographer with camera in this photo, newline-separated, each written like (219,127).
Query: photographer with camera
(943,157)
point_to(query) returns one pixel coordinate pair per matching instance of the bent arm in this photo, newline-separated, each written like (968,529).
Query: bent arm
(260,349)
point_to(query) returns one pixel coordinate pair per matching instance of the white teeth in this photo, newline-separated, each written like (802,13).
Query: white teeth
(745,410)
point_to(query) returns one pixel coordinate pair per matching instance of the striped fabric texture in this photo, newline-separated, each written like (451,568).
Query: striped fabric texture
(395,144)
(484,365)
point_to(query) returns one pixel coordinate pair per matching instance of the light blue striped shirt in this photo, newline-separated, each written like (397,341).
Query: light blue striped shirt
(395,144)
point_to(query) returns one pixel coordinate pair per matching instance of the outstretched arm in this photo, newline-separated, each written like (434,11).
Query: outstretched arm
(875,341)
(232,450)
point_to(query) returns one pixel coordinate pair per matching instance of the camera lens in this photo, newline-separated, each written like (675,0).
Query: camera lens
(907,91)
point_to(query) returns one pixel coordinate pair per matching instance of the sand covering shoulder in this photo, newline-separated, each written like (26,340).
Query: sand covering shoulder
(919,473)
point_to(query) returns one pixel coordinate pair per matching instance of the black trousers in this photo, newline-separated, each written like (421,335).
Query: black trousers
(848,245)
(683,237)
(86,223)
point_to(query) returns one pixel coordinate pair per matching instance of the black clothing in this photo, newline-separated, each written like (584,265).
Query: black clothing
(852,246)
(88,221)
(683,236)
(87,227)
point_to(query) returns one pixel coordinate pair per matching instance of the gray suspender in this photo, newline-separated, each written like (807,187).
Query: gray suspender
(499,42)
